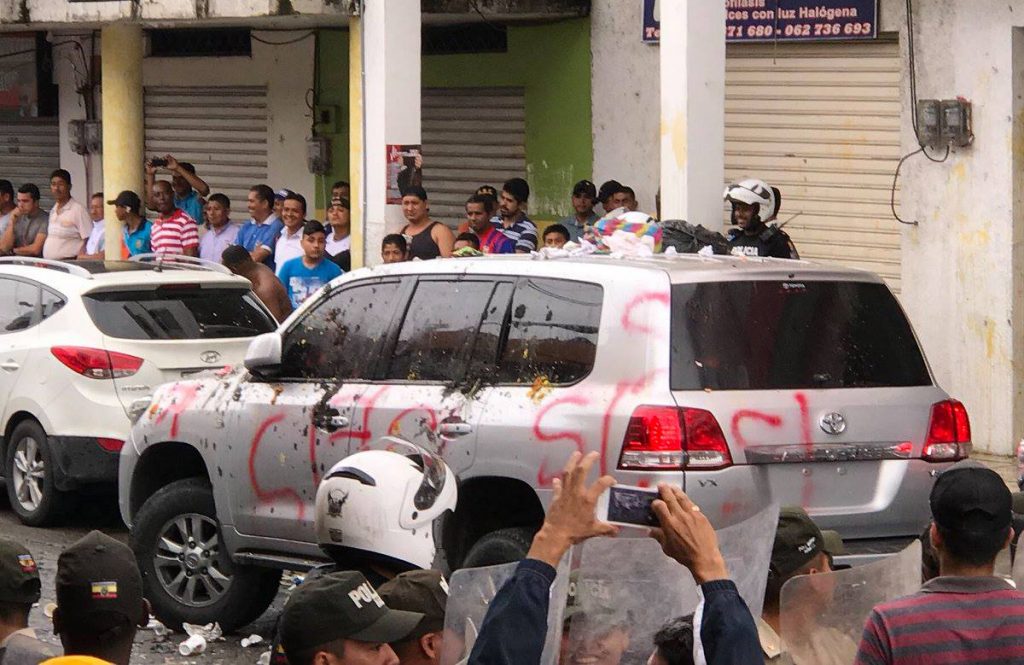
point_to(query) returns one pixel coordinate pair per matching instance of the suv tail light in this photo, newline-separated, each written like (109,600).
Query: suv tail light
(949,433)
(669,438)
(97,363)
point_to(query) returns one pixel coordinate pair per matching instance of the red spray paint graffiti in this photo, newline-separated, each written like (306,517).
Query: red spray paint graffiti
(268,495)
(627,314)
(175,402)
(543,479)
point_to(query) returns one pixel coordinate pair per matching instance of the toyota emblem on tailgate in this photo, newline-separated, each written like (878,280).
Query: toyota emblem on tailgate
(833,423)
(209,357)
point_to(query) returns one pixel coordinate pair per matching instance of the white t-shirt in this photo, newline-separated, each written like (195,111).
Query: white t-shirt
(335,247)
(287,248)
(97,239)
(5,220)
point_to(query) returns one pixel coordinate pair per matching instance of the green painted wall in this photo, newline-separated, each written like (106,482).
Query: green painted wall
(333,91)
(552,63)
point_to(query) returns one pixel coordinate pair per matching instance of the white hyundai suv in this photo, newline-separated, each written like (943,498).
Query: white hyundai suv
(80,342)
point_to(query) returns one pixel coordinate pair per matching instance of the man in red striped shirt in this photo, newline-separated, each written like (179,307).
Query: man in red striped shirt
(174,232)
(966,615)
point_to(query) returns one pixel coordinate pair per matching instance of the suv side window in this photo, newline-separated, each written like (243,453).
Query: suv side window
(437,335)
(18,305)
(341,337)
(552,332)
(50,304)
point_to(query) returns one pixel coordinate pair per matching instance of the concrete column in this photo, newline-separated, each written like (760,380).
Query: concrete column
(692,110)
(355,142)
(388,37)
(121,51)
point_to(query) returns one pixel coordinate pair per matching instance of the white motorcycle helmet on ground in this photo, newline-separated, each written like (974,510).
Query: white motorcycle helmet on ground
(380,506)
(756,193)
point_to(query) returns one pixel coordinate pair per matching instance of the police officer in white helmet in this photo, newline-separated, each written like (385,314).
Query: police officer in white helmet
(755,205)
(375,512)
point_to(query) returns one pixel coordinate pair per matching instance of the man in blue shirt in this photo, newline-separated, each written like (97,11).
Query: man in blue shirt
(259,235)
(304,275)
(136,231)
(189,189)
(584,194)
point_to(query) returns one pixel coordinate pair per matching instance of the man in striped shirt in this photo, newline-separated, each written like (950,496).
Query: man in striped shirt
(966,615)
(174,232)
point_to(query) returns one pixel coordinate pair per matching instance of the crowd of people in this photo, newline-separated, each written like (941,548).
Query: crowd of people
(380,603)
(181,216)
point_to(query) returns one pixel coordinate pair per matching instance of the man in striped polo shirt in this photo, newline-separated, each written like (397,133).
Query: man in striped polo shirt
(174,232)
(966,615)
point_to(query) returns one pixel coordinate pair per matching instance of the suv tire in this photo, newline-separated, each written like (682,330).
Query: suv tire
(501,546)
(28,469)
(196,581)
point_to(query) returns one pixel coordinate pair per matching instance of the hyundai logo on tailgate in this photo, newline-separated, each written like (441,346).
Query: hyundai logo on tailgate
(209,357)
(833,423)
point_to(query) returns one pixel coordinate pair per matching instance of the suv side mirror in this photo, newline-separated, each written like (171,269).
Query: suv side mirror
(264,354)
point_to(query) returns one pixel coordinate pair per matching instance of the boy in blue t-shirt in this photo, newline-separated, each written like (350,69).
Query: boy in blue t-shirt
(303,276)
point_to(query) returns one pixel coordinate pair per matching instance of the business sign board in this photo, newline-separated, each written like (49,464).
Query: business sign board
(784,20)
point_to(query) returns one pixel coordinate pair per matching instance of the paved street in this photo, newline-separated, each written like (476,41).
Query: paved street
(101,513)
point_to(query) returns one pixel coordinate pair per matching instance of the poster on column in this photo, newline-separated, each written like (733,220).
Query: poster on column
(405,169)
(784,20)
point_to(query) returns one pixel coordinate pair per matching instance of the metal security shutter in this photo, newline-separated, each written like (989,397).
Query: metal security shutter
(222,131)
(471,137)
(822,123)
(29,152)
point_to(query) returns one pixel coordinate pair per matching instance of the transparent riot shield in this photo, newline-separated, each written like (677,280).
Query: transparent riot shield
(1018,566)
(470,592)
(626,590)
(822,616)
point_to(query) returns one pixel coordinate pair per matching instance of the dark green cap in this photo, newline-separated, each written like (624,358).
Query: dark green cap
(341,605)
(19,574)
(423,591)
(798,540)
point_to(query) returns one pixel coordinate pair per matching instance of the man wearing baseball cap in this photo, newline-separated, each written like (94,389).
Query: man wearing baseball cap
(99,601)
(966,614)
(801,548)
(339,619)
(584,194)
(426,592)
(19,590)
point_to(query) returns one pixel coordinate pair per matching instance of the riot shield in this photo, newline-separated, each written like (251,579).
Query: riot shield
(1018,568)
(470,592)
(627,589)
(822,616)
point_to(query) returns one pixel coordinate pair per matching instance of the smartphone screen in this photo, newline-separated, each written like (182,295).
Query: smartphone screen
(631,505)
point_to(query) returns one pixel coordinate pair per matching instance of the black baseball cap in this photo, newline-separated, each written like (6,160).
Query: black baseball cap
(97,578)
(423,591)
(19,574)
(798,540)
(127,199)
(341,605)
(971,497)
(415,190)
(608,189)
(584,188)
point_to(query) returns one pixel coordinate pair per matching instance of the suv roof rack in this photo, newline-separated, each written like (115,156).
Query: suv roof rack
(180,262)
(50,264)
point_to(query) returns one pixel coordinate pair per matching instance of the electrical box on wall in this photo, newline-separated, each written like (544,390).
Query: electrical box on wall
(94,136)
(318,155)
(76,137)
(326,119)
(942,123)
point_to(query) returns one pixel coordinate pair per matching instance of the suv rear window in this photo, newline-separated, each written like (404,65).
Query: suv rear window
(791,335)
(176,313)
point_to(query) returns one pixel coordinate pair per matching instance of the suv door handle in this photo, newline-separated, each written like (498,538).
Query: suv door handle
(10,366)
(331,420)
(455,428)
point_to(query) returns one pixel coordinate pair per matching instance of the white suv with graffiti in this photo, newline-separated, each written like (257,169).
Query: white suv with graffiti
(745,380)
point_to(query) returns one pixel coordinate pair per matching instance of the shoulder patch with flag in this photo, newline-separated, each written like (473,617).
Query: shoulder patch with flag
(104,590)
(27,563)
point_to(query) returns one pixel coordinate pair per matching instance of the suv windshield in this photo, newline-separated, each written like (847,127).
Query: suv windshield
(178,313)
(791,335)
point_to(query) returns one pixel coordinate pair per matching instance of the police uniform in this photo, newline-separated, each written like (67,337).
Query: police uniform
(769,241)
